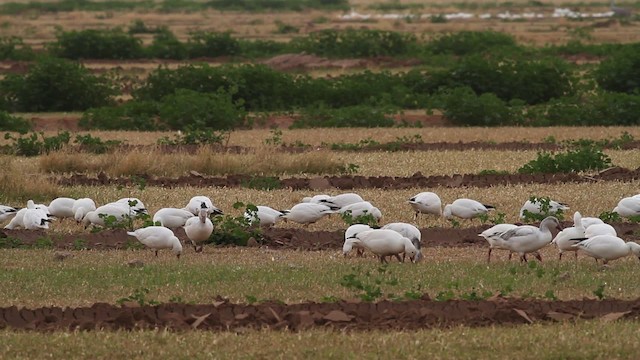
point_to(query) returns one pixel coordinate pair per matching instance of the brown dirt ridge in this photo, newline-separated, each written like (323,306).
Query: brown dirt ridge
(222,315)
(347,182)
(281,238)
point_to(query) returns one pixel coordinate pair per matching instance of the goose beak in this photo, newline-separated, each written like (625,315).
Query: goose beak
(559,227)
(178,256)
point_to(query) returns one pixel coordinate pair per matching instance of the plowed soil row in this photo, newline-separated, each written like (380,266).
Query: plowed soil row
(277,238)
(225,316)
(346,182)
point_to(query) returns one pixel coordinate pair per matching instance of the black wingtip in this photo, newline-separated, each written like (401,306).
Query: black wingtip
(489,206)
(577,240)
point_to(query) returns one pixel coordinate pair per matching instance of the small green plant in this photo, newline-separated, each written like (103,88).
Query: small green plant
(329,299)
(582,159)
(80,244)
(438,19)
(43,243)
(366,218)
(236,230)
(13,123)
(262,183)
(193,136)
(350,168)
(34,145)
(275,139)
(250,299)
(545,210)
(549,294)
(95,144)
(493,172)
(454,223)
(610,217)
(10,243)
(599,291)
(282,28)
(140,296)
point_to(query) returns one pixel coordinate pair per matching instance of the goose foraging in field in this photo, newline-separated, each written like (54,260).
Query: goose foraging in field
(198,229)
(628,207)
(426,203)
(362,208)
(492,235)
(383,243)
(410,232)
(81,207)
(535,207)
(62,207)
(35,219)
(350,232)
(158,238)
(195,204)
(7,212)
(172,218)
(133,205)
(465,209)
(563,238)
(18,219)
(316,198)
(600,229)
(527,239)
(264,216)
(342,200)
(98,216)
(607,247)
(308,213)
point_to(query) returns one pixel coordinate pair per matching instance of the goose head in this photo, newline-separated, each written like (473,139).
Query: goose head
(447,211)
(410,250)
(550,222)
(177,246)
(635,248)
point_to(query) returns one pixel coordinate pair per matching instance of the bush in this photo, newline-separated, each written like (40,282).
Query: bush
(32,146)
(212,44)
(351,116)
(13,123)
(166,45)
(582,159)
(97,44)
(463,107)
(12,48)
(55,85)
(188,108)
(620,72)
(133,115)
(470,42)
(599,109)
(356,43)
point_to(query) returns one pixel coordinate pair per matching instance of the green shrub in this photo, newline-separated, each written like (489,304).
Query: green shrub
(582,159)
(166,45)
(132,115)
(351,116)
(55,85)
(32,145)
(95,144)
(13,123)
(212,44)
(188,108)
(356,43)
(12,48)
(621,71)
(597,109)
(463,107)
(97,44)
(261,5)
(470,42)
(192,136)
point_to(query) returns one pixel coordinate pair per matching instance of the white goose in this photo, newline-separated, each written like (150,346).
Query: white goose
(158,238)
(361,208)
(536,208)
(342,200)
(96,217)
(198,229)
(134,206)
(34,219)
(350,232)
(61,207)
(81,207)
(590,221)
(600,229)
(265,215)
(607,247)
(628,207)
(426,203)
(465,209)
(172,218)
(195,204)
(410,232)
(18,219)
(308,213)
(316,198)
(563,238)
(7,212)
(383,243)
(492,235)
(529,239)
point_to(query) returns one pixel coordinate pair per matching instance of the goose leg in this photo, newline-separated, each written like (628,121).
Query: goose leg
(383,260)
(560,257)
(576,255)
(489,256)
(537,256)
(400,259)
(156,253)
(523,258)
(510,254)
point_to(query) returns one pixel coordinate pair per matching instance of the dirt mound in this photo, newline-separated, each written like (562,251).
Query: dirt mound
(225,316)
(274,238)
(346,182)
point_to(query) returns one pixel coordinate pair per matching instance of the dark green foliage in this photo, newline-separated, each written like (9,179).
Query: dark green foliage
(582,159)
(139,296)
(43,243)
(188,108)
(33,145)
(470,42)
(621,71)
(356,43)
(260,5)
(192,136)
(10,243)
(262,183)
(97,44)
(212,44)
(544,203)
(235,230)
(13,123)
(166,45)
(132,115)
(350,116)
(55,85)
(602,108)
(72,5)
(12,48)
(463,107)
(95,144)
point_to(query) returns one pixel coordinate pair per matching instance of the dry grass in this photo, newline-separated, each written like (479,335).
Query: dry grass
(20,181)
(155,162)
(294,276)
(582,339)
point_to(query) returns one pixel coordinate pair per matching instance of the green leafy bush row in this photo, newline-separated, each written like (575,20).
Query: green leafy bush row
(581,159)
